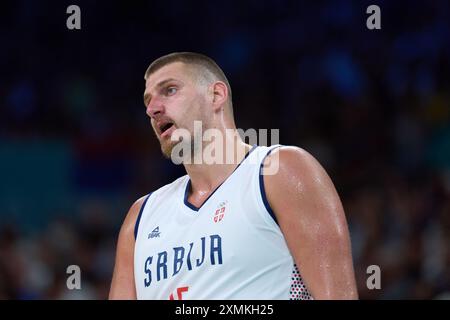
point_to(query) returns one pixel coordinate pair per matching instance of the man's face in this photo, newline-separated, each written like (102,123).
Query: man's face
(174,99)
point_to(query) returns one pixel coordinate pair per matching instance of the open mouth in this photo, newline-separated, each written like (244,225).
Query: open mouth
(164,127)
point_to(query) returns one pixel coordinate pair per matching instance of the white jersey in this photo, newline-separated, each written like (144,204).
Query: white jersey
(229,248)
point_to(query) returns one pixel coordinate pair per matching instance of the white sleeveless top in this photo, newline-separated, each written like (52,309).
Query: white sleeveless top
(229,248)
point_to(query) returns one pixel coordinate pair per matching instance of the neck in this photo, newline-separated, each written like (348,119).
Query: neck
(206,176)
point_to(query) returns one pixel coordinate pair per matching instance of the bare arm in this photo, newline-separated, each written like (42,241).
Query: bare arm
(312,219)
(122,285)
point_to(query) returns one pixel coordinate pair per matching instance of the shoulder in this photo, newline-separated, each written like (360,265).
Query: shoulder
(129,224)
(293,176)
(291,161)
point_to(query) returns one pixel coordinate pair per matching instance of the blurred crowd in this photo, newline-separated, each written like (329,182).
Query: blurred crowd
(372,106)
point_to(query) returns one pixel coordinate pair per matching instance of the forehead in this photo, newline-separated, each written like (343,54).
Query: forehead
(176,70)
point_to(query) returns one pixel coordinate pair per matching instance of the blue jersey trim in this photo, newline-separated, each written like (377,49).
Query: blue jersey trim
(138,220)
(263,190)
(186,193)
(188,185)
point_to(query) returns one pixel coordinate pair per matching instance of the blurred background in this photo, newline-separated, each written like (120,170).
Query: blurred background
(77,149)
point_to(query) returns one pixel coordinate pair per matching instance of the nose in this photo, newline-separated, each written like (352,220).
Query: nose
(154,108)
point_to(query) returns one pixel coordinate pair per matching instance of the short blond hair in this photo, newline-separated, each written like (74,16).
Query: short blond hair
(200,61)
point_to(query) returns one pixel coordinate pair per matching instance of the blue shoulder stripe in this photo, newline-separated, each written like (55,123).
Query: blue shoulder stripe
(136,226)
(263,190)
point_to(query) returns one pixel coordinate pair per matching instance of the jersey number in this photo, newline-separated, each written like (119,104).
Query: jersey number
(180,291)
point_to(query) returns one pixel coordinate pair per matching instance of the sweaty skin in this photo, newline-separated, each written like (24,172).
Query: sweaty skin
(122,285)
(311,217)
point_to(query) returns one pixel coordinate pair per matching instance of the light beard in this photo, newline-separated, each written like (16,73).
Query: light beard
(167,147)
(189,144)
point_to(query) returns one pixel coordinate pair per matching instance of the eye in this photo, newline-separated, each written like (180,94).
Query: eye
(171,91)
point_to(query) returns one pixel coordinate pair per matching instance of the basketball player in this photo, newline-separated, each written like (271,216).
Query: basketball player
(229,231)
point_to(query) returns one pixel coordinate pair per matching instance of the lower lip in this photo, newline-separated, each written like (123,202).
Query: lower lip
(168,132)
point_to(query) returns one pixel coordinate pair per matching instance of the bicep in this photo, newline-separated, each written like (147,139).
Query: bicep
(312,219)
(122,284)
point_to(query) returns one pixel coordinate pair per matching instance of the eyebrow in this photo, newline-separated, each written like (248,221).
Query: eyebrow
(159,85)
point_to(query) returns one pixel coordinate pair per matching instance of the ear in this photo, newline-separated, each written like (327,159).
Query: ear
(220,94)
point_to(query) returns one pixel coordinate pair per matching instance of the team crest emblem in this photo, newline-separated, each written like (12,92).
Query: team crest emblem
(220,212)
